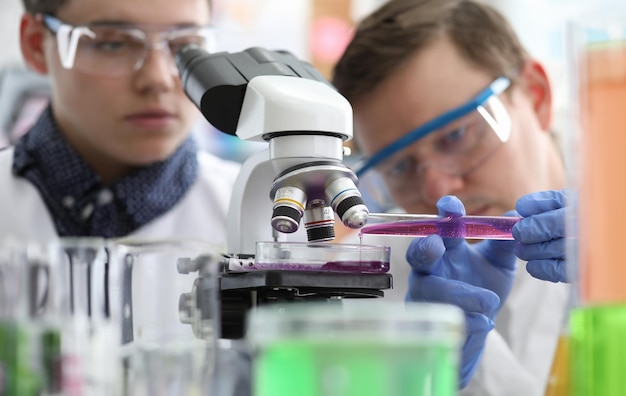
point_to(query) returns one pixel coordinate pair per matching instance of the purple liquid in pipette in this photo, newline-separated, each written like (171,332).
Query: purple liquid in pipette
(471,227)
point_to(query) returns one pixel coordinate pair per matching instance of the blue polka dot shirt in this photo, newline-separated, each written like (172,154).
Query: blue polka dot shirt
(78,201)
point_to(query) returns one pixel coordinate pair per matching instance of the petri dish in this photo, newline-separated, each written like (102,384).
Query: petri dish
(303,256)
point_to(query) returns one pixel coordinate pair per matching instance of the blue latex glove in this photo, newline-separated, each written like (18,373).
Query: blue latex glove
(541,234)
(475,277)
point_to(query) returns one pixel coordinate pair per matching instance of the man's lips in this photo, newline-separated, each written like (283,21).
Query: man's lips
(151,119)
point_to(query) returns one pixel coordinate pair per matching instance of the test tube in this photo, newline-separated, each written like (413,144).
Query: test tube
(470,227)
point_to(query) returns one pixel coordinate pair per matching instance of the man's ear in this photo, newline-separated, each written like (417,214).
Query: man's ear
(536,85)
(32,33)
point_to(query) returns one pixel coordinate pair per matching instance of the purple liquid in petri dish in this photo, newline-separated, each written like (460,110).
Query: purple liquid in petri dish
(357,266)
(372,266)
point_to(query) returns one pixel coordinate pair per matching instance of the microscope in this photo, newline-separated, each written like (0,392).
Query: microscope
(273,97)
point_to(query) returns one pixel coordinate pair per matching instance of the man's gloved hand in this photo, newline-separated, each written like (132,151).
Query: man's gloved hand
(475,277)
(540,235)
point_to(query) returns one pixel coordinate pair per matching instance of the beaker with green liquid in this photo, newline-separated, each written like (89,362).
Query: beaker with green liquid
(356,348)
(598,320)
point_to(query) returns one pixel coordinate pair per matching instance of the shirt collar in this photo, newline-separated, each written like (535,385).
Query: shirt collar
(80,203)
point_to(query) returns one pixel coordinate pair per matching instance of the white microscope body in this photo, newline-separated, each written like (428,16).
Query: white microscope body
(305,108)
(305,121)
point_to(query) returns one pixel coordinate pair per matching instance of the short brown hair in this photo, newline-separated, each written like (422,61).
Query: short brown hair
(52,6)
(397,30)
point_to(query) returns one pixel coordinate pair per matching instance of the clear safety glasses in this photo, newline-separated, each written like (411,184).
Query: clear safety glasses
(454,143)
(117,50)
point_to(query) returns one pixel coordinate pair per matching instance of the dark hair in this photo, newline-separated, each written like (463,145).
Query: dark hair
(400,28)
(43,6)
(52,6)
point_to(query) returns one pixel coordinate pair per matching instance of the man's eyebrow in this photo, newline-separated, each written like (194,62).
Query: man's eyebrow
(128,24)
(112,23)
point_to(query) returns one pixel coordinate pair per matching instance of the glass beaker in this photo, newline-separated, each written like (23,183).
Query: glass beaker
(170,314)
(20,370)
(57,310)
(356,348)
(598,321)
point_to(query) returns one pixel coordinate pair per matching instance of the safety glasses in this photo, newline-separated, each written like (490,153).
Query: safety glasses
(109,49)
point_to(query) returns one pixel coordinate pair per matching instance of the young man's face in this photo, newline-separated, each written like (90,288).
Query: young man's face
(433,82)
(136,118)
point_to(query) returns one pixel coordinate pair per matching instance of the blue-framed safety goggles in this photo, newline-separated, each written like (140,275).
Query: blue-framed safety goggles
(497,87)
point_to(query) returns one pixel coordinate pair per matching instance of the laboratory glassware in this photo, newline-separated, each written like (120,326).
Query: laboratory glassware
(56,308)
(358,347)
(416,225)
(170,314)
(597,42)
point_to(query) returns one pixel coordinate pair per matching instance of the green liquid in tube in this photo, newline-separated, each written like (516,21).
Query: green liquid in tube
(598,350)
(16,374)
(355,368)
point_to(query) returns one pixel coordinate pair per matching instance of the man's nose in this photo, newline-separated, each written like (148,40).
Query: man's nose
(158,70)
(436,182)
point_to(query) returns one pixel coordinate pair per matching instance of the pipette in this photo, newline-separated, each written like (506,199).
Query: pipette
(412,225)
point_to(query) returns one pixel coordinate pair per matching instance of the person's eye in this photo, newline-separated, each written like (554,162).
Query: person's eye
(180,42)
(110,46)
(454,140)
(455,136)
(401,169)
(115,43)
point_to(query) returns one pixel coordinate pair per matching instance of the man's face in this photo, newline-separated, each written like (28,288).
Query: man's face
(126,120)
(433,82)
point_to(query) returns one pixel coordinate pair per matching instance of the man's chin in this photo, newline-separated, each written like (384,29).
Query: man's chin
(150,157)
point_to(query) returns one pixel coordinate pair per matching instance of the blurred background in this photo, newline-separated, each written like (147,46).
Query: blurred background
(314,30)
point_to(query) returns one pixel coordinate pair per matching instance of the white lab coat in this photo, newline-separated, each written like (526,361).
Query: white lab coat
(518,353)
(201,213)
